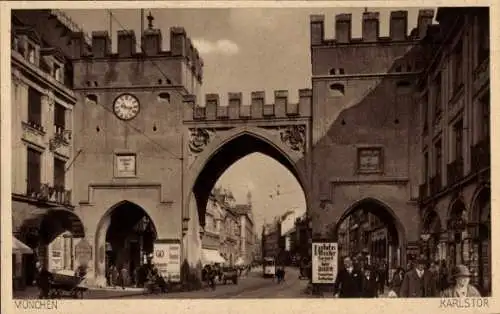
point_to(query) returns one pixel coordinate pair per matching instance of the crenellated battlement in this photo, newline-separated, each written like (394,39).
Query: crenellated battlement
(398,27)
(151,44)
(236,108)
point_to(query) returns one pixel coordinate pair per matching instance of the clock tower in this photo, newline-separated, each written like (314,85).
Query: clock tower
(128,126)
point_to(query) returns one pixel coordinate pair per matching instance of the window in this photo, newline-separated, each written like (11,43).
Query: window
(426,166)
(34,171)
(59,118)
(457,66)
(437,97)
(483,45)
(34,107)
(56,71)
(59,173)
(458,137)
(484,123)
(31,53)
(425,109)
(438,157)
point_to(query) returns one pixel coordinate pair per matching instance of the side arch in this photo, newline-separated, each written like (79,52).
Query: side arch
(389,212)
(479,192)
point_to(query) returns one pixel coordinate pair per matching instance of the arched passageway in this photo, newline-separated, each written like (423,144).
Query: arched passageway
(49,233)
(369,232)
(480,233)
(129,238)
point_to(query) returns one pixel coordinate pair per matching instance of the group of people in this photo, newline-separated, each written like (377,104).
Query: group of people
(418,281)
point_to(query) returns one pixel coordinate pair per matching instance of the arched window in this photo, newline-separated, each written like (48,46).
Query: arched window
(91,97)
(337,89)
(164,97)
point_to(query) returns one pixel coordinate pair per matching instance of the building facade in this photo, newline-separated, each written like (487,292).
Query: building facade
(454,94)
(364,135)
(271,239)
(43,105)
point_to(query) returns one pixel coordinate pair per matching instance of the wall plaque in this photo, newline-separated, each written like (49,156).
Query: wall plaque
(125,165)
(370,159)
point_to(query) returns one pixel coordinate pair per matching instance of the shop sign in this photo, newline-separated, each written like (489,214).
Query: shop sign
(83,252)
(167,258)
(324,262)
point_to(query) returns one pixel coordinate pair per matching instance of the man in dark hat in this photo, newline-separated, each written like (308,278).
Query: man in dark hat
(417,283)
(369,284)
(461,287)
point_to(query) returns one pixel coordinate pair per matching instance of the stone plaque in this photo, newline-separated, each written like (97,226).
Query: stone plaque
(125,165)
(370,159)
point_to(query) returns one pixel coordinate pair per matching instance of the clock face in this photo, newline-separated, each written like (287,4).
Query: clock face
(126,107)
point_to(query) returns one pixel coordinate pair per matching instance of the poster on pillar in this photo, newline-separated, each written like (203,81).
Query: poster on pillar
(324,262)
(167,258)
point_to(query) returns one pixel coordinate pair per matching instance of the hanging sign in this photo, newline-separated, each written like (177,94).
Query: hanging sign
(167,258)
(324,262)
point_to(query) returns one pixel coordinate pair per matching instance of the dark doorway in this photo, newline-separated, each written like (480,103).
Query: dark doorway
(130,238)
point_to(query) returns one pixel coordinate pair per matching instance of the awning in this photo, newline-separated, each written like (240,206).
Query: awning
(211,257)
(239,262)
(20,248)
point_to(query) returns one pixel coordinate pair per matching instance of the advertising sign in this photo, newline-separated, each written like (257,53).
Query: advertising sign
(56,254)
(167,257)
(324,262)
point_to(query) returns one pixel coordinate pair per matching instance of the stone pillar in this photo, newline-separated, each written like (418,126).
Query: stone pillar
(100,252)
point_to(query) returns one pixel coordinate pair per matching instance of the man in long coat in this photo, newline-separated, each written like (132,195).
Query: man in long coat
(348,282)
(418,282)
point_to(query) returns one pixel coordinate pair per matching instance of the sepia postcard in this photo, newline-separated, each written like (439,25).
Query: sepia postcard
(247,157)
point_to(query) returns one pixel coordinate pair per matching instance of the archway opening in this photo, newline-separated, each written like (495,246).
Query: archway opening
(50,234)
(370,234)
(480,262)
(129,242)
(234,227)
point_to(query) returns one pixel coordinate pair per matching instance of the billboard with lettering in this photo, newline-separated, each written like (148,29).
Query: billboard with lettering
(167,257)
(324,262)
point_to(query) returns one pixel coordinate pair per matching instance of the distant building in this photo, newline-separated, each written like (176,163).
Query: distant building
(271,235)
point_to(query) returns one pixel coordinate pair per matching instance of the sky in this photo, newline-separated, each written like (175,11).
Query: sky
(245,50)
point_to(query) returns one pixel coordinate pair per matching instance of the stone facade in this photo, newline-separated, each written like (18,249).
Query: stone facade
(454,96)
(364,135)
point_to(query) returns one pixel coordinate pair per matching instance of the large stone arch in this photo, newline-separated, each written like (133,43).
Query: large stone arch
(293,160)
(101,232)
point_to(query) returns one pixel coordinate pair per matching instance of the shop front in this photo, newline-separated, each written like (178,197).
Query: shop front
(48,232)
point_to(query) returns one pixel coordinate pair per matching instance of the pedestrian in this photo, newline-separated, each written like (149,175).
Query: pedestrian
(418,282)
(382,277)
(443,276)
(434,271)
(114,276)
(348,282)
(124,277)
(397,280)
(369,284)
(43,280)
(461,287)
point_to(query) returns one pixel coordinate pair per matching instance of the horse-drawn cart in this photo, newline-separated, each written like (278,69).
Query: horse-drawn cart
(64,283)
